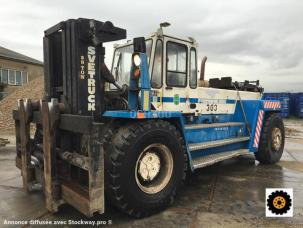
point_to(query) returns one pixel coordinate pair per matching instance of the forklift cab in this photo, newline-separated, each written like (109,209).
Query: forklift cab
(172,64)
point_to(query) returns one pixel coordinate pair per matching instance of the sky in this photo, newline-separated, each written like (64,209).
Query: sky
(245,39)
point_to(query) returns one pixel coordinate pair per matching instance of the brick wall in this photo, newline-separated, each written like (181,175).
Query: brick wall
(33,71)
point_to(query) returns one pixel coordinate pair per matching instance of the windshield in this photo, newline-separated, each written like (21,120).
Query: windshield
(122,62)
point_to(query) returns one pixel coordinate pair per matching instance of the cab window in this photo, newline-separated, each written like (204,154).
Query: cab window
(193,69)
(156,79)
(176,57)
(122,62)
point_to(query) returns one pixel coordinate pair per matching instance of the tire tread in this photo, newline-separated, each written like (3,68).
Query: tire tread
(118,141)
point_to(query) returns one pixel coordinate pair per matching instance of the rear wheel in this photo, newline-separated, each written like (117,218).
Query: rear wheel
(272,140)
(144,166)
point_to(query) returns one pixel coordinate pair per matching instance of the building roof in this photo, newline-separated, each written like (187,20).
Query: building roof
(15,56)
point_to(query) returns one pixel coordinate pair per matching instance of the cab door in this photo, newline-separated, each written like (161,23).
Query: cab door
(175,83)
(156,74)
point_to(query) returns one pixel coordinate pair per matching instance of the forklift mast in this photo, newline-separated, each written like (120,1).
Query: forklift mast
(65,156)
(73,54)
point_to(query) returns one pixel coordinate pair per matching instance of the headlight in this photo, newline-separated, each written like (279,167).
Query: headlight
(137,60)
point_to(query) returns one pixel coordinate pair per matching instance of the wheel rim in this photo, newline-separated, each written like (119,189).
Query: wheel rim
(154,168)
(276,138)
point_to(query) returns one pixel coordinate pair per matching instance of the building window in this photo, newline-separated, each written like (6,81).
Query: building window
(24,77)
(18,78)
(4,76)
(13,77)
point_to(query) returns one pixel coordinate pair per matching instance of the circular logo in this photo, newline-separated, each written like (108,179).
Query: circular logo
(279,202)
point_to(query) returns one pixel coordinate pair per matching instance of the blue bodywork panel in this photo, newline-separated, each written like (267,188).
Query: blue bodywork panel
(212,134)
(255,114)
(139,84)
(145,84)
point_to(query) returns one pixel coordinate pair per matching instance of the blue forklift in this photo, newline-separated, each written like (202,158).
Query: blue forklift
(131,133)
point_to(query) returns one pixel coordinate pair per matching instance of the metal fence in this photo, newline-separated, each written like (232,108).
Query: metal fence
(284,98)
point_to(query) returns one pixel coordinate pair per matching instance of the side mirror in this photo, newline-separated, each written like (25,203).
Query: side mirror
(139,45)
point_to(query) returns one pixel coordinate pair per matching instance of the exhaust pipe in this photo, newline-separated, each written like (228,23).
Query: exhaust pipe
(202,82)
(202,69)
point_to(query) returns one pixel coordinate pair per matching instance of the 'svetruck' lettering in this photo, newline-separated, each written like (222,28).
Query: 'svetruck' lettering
(91,81)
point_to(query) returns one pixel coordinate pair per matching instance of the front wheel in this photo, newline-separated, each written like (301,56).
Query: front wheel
(145,165)
(272,140)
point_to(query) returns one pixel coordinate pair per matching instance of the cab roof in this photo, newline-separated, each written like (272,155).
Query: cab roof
(159,33)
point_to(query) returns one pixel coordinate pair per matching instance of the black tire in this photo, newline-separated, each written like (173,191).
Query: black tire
(268,153)
(122,152)
(279,202)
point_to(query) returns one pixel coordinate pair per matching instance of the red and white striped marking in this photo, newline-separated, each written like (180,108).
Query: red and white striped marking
(258,128)
(272,104)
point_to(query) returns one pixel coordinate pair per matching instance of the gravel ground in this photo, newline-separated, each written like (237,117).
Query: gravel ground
(32,90)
